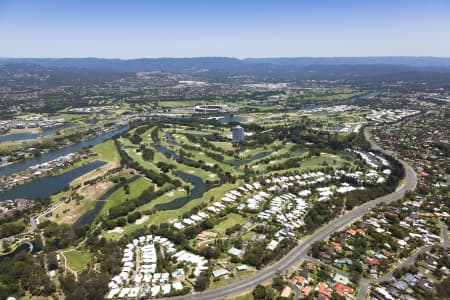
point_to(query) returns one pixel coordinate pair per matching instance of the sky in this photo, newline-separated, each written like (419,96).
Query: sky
(232,28)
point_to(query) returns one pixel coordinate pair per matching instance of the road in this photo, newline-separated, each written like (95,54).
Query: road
(444,233)
(409,261)
(364,285)
(300,251)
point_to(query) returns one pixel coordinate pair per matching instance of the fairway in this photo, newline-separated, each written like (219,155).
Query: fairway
(77,260)
(229,221)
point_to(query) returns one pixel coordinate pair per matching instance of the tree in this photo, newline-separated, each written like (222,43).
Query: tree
(259,292)
(202,282)
(443,289)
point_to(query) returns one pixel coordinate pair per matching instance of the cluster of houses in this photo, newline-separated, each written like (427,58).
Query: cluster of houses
(373,160)
(286,209)
(308,283)
(420,282)
(12,180)
(93,109)
(283,207)
(347,128)
(417,227)
(28,123)
(139,276)
(230,198)
(389,115)
(9,207)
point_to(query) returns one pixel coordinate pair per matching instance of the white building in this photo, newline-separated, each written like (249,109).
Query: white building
(238,135)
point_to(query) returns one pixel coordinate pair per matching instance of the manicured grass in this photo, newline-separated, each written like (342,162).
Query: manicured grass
(107,151)
(229,221)
(136,188)
(167,197)
(77,260)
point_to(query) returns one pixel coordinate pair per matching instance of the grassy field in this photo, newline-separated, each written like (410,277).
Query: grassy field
(107,151)
(77,260)
(136,189)
(230,220)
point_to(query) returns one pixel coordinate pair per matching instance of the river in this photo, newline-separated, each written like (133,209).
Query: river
(48,185)
(23,165)
(29,135)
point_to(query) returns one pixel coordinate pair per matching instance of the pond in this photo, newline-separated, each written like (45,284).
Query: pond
(90,216)
(226,120)
(196,192)
(170,140)
(239,162)
(25,247)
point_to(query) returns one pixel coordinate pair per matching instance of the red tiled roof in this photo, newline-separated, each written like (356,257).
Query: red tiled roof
(323,289)
(342,289)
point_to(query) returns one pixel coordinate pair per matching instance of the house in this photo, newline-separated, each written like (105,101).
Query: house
(341,279)
(300,280)
(235,252)
(343,289)
(306,290)
(323,289)
(219,273)
(286,292)
(372,261)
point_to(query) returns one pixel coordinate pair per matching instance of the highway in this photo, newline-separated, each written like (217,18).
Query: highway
(300,251)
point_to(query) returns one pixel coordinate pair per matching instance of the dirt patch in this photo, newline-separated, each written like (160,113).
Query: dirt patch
(191,171)
(142,220)
(118,230)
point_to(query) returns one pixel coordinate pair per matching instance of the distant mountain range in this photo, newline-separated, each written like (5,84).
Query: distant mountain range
(418,69)
(199,64)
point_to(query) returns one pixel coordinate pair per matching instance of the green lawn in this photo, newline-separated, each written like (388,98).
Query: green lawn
(229,221)
(77,260)
(107,151)
(136,189)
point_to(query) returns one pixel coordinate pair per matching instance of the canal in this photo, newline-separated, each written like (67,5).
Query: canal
(20,166)
(48,185)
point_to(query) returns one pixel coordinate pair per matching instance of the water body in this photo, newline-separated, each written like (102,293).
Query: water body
(22,248)
(239,162)
(90,216)
(20,166)
(197,191)
(172,154)
(48,185)
(226,120)
(30,136)
(170,140)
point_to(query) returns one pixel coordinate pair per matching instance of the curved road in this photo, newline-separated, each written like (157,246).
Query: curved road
(297,253)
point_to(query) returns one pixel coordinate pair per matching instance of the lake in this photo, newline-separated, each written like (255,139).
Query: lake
(196,192)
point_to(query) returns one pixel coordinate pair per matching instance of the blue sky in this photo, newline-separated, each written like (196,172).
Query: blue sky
(244,28)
